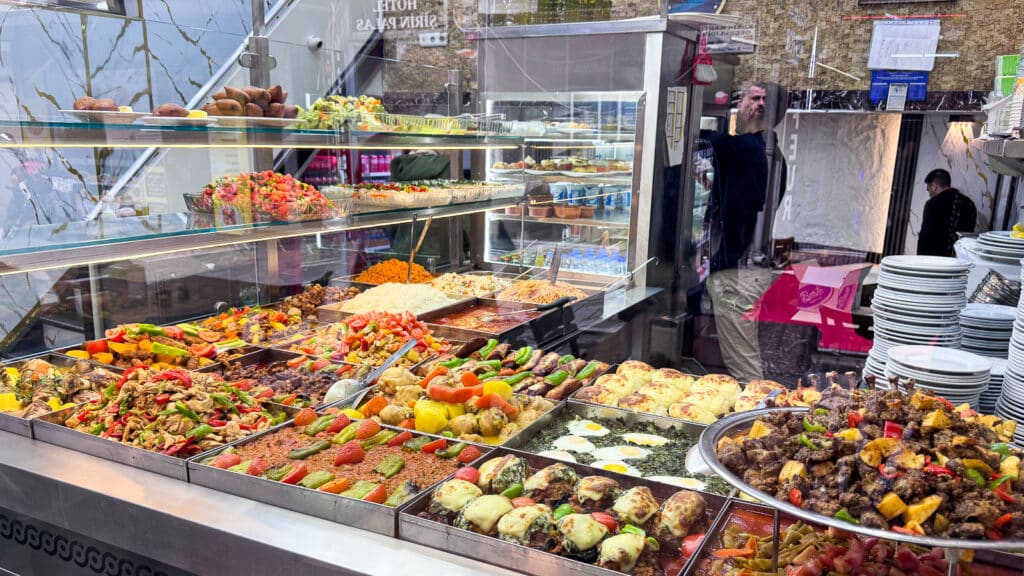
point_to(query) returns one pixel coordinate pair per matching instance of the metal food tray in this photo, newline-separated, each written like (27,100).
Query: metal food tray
(51,429)
(23,426)
(543,328)
(271,355)
(524,559)
(531,429)
(713,538)
(343,510)
(242,351)
(740,423)
(590,411)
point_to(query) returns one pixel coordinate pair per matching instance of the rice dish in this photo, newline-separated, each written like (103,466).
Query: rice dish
(391,297)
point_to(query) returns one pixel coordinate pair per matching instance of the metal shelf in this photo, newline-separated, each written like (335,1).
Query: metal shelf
(60,246)
(621,220)
(61,134)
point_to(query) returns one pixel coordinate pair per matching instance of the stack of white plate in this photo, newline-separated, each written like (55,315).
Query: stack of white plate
(987,329)
(999,246)
(989,398)
(1011,400)
(958,376)
(917,302)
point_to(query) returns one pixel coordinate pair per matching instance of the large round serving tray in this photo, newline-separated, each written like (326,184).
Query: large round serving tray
(742,421)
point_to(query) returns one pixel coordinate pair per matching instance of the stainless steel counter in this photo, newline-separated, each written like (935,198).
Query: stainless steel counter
(193,528)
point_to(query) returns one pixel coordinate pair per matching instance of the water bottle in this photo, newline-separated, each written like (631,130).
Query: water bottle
(592,196)
(620,264)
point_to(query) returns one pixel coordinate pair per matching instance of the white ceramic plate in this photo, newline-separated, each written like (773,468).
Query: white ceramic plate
(940,360)
(926,263)
(97,117)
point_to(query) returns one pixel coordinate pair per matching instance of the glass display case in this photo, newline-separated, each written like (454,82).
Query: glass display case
(579,172)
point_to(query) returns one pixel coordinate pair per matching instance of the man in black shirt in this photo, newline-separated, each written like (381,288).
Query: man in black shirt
(737,196)
(946,212)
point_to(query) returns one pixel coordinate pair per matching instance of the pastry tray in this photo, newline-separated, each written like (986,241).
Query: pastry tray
(23,426)
(50,428)
(531,561)
(343,510)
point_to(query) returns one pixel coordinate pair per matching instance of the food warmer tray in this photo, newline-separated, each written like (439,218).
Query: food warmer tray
(531,561)
(50,428)
(23,426)
(271,355)
(713,538)
(547,326)
(328,313)
(348,511)
(740,423)
(531,430)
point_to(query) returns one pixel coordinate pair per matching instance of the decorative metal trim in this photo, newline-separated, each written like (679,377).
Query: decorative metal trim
(71,550)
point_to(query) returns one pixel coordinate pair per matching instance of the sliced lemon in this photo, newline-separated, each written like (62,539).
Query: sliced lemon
(197,114)
(124,109)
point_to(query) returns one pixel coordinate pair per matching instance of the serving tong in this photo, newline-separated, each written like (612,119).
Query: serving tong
(373,376)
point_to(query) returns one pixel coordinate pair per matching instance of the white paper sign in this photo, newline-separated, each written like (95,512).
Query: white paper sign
(904,45)
(897,101)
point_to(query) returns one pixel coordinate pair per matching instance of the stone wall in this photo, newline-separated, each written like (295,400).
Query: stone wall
(786,32)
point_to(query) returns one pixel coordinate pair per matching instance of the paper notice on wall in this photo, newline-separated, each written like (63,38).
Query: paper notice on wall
(904,45)
(839,179)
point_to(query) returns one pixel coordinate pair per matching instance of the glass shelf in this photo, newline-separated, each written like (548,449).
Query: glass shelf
(64,134)
(47,247)
(617,219)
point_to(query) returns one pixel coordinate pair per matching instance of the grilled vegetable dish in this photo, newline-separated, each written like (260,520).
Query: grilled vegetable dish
(160,347)
(371,338)
(911,463)
(355,459)
(527,370)
(174,412)
(461,405)
(35,387)
(590,519)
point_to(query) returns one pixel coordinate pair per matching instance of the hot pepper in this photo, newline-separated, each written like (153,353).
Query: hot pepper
(317,479)
(1002,448)
(1000,480)
(588,370)
(377,439)
(347,434)
(566,359)
(307,451)
(1003,520)
(973,474)
(452,451)
(488,348)
(127,374)
(807,442)
(513,491)
(845,516)
(562,511)
(278,472)
(813,426)
(523,355)
(390,466)
(199,431)
(488,375)
(184,410)
(513,380)
(630,529)
(1003,495)
(820,411)
(892,430)
(319,425)
(557,378)
(415,444)
(854,418)
(938,470)
(453,363)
